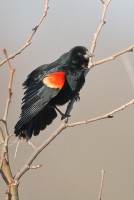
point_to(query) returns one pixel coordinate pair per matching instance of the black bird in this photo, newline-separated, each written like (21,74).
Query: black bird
(50,85)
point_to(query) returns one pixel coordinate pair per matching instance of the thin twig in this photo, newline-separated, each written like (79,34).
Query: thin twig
(27,165)
(12,70)
(2,139)
(94,41)
(5,137)
(128,49)
(108,115)
(4,164)
(36,167)
(5,145)
(56,132)
(63,125)
(16,149)
(101,185)
(93,46)
(96,35)
(1,136)
(31,144)
(5,170)
(28,41)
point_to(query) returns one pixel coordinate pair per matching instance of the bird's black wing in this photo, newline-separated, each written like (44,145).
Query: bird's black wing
(40,89)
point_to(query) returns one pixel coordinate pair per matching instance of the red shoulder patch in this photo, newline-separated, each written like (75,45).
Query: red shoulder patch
(55,80)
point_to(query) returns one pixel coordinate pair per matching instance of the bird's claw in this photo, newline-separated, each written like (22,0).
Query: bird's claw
(65,116)
(77,97)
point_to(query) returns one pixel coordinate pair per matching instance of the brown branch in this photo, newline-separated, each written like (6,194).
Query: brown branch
(12,191)
(27,165)
(96,35)
(93,46)
(12,70)
(2,139)
(4,163)
(108,115)
(4,166)
(36,167)
(129,49)
(101,185)
(64,125)
(1,136)
(94,41)
(5,136)
(6,172)
(28,41)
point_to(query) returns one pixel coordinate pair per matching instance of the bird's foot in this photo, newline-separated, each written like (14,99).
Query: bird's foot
(77,97)
(64,116)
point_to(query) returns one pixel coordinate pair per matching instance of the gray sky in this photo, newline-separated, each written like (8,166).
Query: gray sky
(74,160)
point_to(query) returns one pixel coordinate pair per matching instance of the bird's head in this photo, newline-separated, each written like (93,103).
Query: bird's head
(79,56)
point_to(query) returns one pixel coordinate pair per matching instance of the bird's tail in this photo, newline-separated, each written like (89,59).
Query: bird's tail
(38,123)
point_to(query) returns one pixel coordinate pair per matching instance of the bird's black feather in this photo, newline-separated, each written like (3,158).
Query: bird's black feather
(40,98)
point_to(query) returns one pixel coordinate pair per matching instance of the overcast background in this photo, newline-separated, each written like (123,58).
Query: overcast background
(72,163)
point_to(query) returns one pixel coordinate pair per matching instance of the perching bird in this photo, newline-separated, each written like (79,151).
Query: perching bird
(50,85)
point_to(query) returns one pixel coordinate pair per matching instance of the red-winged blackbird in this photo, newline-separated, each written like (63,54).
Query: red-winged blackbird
(50,85)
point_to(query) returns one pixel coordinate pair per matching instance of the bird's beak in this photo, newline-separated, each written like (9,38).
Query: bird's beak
(87,55)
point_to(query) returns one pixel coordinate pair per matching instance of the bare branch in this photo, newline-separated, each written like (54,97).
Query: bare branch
(27,165)
(16,149)
(101,184)
(108,115)
(5,168)
(64,125)
(5,137)
(36,167)
(93,46)
(12,190)
(12,70)
(31,143)
(2,144)
(102,22)
(28,41)
(1,136)
(129,49)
